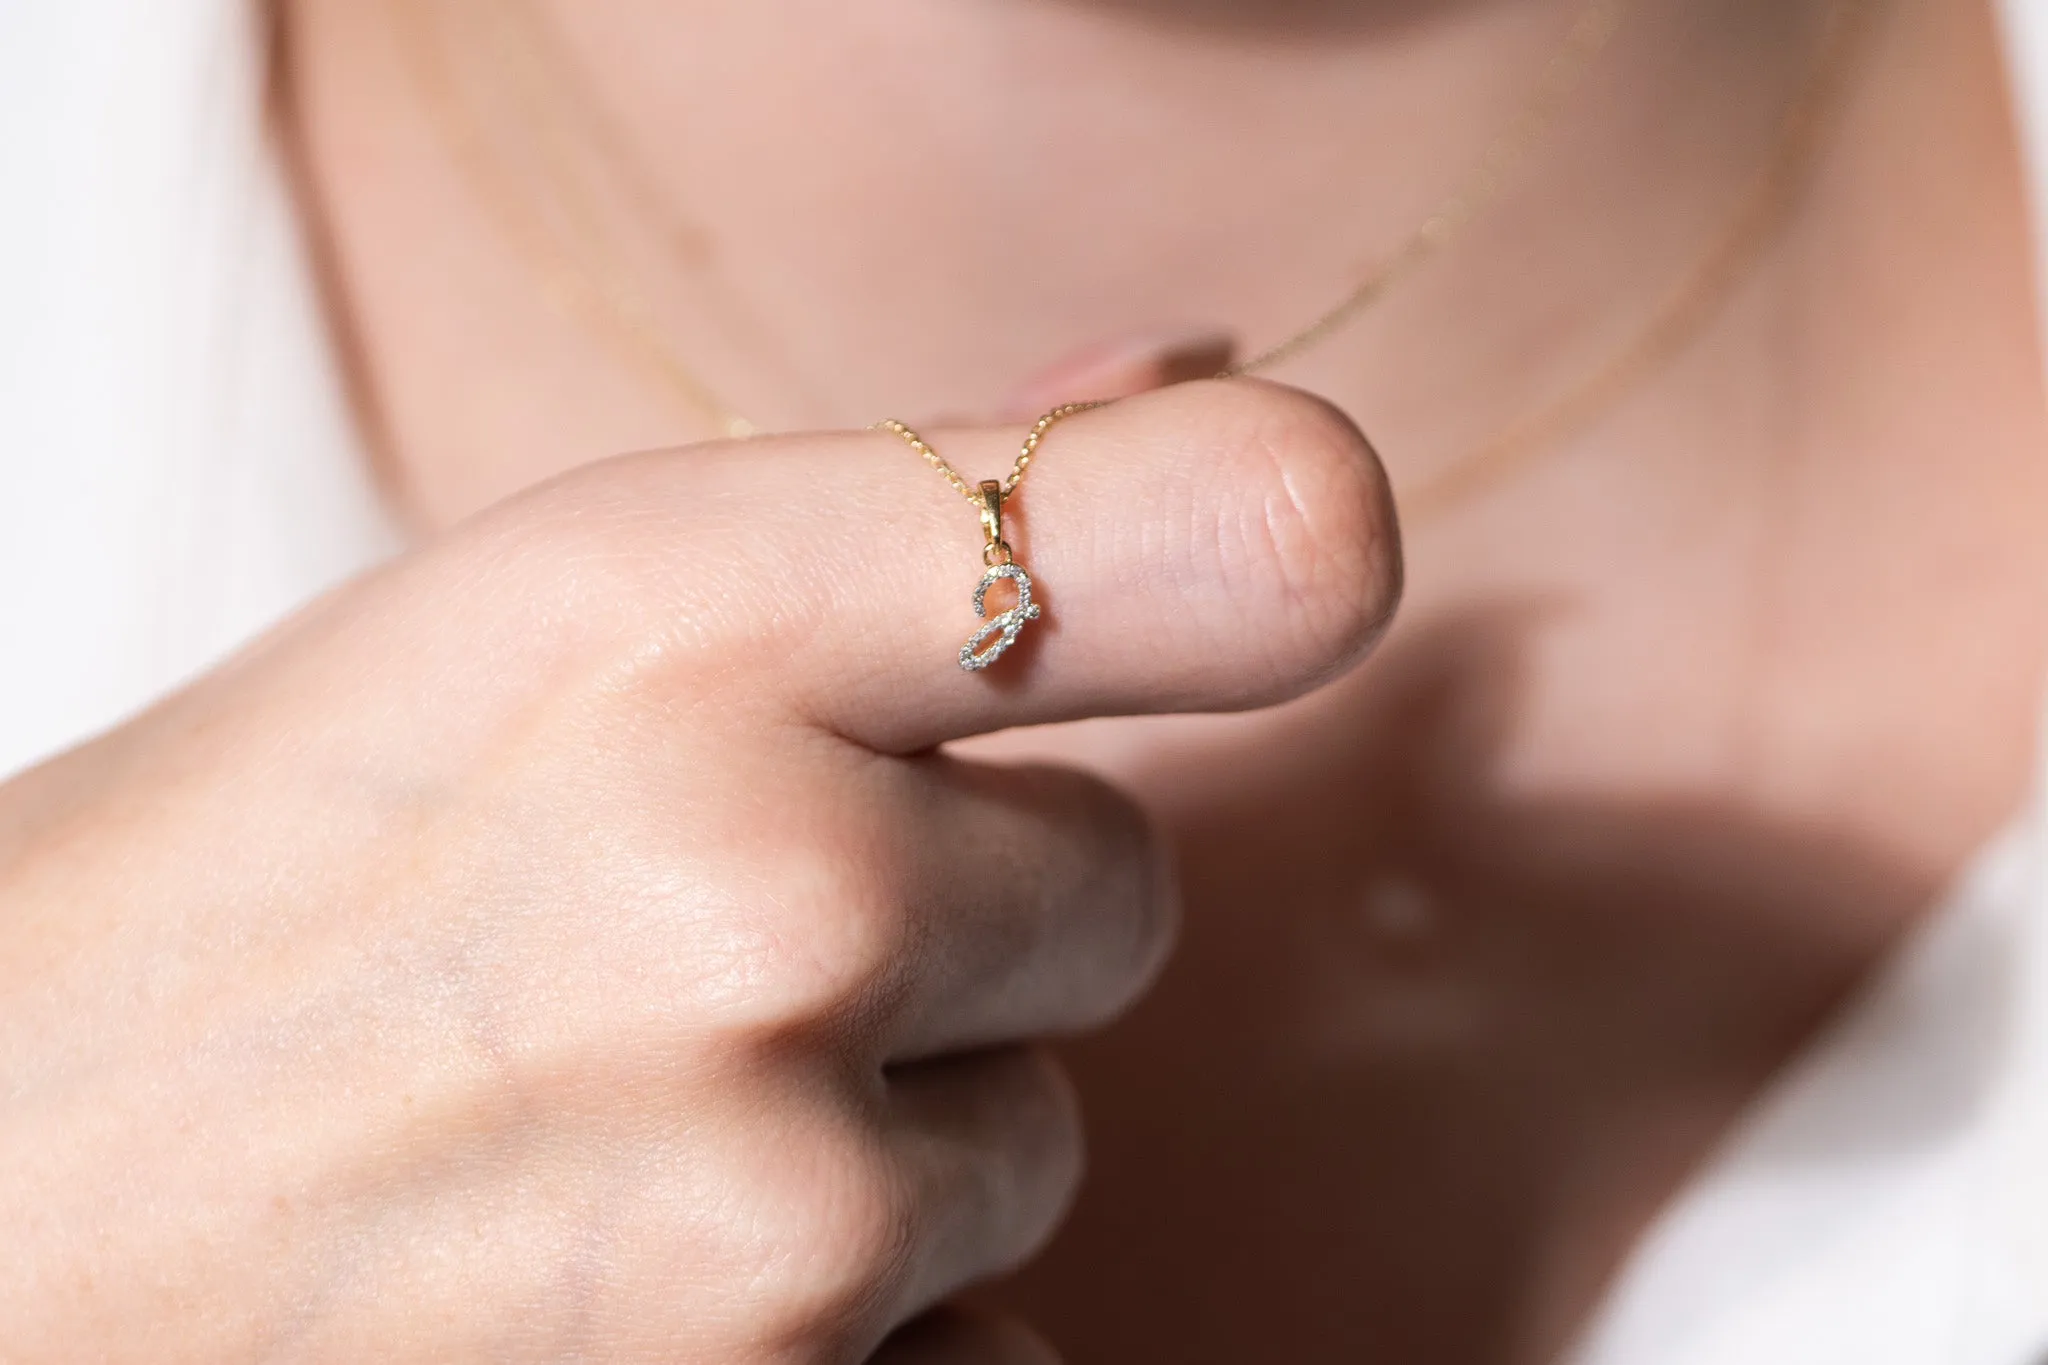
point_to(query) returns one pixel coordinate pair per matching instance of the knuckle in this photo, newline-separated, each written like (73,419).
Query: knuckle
(839,1242)
(1107,909)
(824,941)
(1139,933)
(1050,1152)
(1314,526)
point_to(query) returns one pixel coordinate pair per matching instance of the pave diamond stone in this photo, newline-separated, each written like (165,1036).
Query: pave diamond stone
(1007,625)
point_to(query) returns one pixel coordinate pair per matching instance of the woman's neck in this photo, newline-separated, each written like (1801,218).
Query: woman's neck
(918,206)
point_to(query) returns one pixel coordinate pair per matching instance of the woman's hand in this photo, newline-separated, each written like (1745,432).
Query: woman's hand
(567,943)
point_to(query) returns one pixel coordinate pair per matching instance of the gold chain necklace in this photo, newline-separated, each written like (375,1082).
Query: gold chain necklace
(1759,211)
(522,47)
(1000,560)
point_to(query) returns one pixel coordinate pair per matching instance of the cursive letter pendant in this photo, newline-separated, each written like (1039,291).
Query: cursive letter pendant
(1009,625)
(978,653)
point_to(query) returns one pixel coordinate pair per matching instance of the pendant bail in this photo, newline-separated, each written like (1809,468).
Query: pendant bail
(997,551)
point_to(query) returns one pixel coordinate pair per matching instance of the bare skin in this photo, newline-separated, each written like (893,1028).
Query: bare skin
(1681,729)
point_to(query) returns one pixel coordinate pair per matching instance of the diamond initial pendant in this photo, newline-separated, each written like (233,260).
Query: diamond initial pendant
(994,639)
(1006,625)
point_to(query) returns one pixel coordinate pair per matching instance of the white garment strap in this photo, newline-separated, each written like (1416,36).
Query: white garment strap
(179,466)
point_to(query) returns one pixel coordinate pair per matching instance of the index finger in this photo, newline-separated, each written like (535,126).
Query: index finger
(1210,547)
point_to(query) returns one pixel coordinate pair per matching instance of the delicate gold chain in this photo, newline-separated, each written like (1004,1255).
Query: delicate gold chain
(1516,144)
(1032,441)
(1760,212)
(588,293)
(613,311)
(1730,254)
